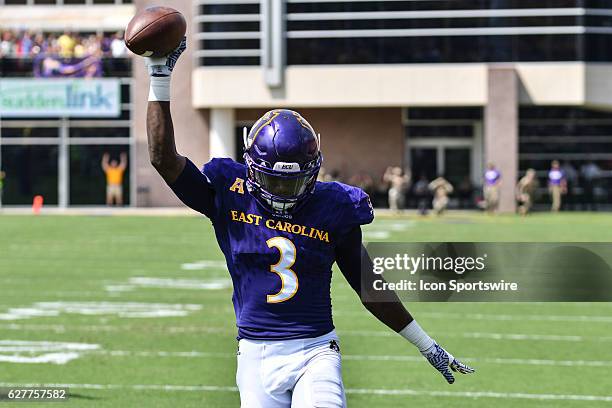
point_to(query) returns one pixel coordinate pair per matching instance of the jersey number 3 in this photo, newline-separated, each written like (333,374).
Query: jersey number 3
(289,280)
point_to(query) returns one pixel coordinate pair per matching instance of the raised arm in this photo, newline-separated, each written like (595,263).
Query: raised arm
(162,149)
(123,161)
(352,257)
(160,133)
(188,183)
(105,159)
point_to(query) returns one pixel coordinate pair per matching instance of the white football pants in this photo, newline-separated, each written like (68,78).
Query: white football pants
(302,373)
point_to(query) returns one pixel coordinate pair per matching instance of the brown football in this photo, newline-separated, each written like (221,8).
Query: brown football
(155,31)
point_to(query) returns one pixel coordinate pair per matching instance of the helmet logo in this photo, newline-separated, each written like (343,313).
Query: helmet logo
(260,124)
(238,186)
(287,167)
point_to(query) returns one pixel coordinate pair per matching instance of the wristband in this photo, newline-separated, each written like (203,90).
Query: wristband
(159,88)
(417,336)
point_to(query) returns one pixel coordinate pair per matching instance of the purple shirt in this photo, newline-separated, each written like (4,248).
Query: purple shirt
(555,176)
(491,177)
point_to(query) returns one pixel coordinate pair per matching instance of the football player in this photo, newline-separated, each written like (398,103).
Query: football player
(280,232)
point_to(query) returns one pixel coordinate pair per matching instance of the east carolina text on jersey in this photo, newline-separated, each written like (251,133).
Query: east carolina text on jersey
(281,267)
(279,225)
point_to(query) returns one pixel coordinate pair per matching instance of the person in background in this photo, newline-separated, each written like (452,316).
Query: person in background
(590,172)
(7,45)
(465,189)
(25,45)
(492,179)
(571,178)
(2,175)
(557,185)
(114,178)
(40,45)
(66,44)
(363,181)
(441,188)
(322,174)
(79,49)
(117,46)
(398,182)
(525,191)
(421,192)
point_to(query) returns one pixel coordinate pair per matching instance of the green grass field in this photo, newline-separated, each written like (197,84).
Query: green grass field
(90,282)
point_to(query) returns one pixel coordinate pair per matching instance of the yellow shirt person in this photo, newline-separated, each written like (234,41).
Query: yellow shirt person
(114,178)
(66,45)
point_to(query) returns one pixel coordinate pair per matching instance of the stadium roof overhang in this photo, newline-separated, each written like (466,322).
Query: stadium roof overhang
(75,18)
(550,83)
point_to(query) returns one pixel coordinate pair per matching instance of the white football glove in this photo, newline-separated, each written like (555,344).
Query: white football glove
(163,66)
(441,360)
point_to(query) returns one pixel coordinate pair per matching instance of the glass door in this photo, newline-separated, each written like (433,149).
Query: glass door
(457,164)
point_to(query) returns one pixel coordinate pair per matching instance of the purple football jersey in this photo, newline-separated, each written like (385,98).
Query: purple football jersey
(281,267)
(555,176)
(491,176)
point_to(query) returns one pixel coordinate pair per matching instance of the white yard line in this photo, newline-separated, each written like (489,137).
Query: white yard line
(485,335)
(367,391)
(525,317)
(358,357)
(496,317)
(60,328)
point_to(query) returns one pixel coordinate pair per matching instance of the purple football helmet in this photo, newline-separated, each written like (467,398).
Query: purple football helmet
(283,158)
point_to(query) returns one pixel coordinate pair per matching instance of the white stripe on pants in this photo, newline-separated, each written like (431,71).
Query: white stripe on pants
(301,373)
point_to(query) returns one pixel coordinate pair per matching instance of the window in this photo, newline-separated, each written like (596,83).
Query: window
(30,171)
(87,180)
(393,50)
(29,132)
(577,138)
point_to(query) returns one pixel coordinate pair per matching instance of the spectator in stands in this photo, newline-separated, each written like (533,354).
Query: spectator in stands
(39,44)
(117,46)
(66,44)
(7,45)
(114,178)
(24,47)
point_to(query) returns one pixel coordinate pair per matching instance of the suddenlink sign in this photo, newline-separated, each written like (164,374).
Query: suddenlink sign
(31,98)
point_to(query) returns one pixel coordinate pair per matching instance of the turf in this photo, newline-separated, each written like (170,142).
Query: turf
(526,354)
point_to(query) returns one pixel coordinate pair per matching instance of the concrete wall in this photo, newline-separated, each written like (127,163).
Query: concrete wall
(353,139)
(554,83)
(190,125)
(501,131)
(343,86)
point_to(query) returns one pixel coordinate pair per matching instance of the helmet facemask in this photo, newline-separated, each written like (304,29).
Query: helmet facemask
(281,187)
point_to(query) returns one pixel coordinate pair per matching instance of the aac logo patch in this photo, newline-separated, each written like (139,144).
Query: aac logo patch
(238,186)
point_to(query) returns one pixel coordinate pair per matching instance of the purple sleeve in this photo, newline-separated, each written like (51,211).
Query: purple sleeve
(349,254)
(194,190)
(358,211)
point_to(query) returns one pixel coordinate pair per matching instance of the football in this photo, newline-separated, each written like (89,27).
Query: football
(155,31)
